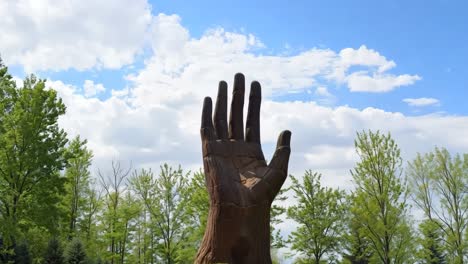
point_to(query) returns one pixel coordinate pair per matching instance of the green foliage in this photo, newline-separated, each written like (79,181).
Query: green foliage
(117,215)
(54,252)
(75,253)
(380,198)
(197,207)
(77,185)
(439,183)
(431,241)
(22,255)
(32,152)
(319,212)
(356,246)
(167,201)
(276,212)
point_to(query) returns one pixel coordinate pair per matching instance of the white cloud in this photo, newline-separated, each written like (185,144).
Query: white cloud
(364,56)
(58,35)
(323,91)
(156,118)
(378,83)
(423,101)
(41,35)
(92,89)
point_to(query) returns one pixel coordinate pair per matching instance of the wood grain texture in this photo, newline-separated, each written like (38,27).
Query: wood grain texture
(240,183)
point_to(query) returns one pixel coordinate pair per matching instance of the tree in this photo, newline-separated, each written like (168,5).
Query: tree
(381,198)
(276,212)
(32,148)
(166,199)
(356,246)
(78,183)
(54,252)
(114,187)
(431,241)
(22,255)
(440,186)
(75,253)
(89,223)
(197,207)
(319,212)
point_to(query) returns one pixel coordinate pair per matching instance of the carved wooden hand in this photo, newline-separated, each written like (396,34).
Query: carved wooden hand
(240,183)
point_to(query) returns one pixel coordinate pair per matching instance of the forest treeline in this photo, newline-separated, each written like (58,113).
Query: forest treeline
(52,210)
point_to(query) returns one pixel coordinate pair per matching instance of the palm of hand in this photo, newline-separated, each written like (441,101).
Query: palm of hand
(236,170)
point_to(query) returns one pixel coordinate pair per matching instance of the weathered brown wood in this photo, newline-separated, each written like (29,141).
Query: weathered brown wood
(240,183)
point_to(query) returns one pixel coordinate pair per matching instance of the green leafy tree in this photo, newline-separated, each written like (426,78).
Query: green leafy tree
(439,183)
(197,207)
(276,213)
(113,220)
(166,200)
(356,247)
(75,253)
(89,224)
(54,252)
(380,204)
(32,148)
(319,212)
(77,184)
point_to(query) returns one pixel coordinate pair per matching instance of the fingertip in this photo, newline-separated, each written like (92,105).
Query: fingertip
(222,87)
(239,76)
(284,139)
(207,103)
(255,89)
(239,83)
(206,112)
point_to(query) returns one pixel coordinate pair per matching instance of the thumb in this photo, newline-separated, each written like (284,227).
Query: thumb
(280,159)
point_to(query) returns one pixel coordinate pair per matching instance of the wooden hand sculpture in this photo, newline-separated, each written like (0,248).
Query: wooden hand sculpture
(240,183)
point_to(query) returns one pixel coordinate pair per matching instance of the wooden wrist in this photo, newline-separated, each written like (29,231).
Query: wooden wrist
(236,234)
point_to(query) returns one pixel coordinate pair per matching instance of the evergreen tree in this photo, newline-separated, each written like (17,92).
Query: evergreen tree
(54,252)
(431,241)
(22,255)
(75,253)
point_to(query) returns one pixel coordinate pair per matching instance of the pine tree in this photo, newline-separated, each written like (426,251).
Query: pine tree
(54,252)
(431,251)
(22,255)
(75,253)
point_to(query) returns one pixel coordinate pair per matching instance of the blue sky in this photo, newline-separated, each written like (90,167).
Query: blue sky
(423,37)
(426,38)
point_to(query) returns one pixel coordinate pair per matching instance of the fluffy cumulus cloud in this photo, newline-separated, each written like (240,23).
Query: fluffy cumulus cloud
(184,67)
(91,89)
(58,35)
(156,118)
(423,101)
